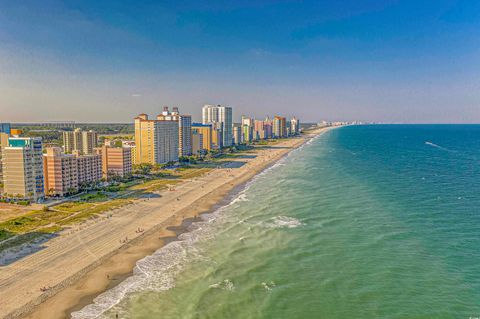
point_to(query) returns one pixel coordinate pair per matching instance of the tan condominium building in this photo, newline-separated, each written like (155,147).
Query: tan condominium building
(89,168)
(237,134)
(197,143)
(22,163)
(156,141)
(207,134)
(83,142)
(60,172)
(217,136)
(116,161)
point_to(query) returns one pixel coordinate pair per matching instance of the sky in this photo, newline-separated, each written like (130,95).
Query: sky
(107,61)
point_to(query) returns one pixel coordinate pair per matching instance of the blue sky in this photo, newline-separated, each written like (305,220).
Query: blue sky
(393,61)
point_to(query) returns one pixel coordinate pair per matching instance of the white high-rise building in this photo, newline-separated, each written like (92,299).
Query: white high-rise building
(295,125)
(209,114)
(220,116)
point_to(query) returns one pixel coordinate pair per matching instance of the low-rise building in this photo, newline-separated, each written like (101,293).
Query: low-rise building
(16,132)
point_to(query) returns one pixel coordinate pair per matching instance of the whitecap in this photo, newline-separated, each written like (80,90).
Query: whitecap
(284,222)
(268,286)
(223,285)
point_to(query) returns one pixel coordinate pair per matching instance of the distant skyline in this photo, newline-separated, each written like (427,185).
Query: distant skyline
(107,61)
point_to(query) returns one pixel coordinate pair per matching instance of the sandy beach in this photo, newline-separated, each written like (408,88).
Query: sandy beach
(79,265)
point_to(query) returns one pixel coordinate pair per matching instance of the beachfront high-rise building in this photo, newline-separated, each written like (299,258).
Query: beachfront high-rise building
(80,141)
(156,141)
(22,163)
(210,114)
(226,117)
(279,127)
(268,127)
(145,139)
(288,126)
(247,127)
(197,143)
(262,129)
(60,172)
(116,161)
(237,134)
(206,131)
(168,141)
(295,126)
(184,129)
(184,135)
(217,136)
(222,119)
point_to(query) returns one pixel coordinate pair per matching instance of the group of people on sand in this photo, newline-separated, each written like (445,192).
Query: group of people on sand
(123,241)
(140,230)
(45,288)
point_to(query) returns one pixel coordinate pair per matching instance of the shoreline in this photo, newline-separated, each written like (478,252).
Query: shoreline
(81,287)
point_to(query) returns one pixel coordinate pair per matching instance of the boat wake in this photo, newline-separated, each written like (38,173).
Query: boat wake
(438,146)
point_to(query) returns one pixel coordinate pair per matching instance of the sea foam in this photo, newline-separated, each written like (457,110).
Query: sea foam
(158,271)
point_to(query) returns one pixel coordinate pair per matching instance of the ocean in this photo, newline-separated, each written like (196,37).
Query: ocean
(379,221)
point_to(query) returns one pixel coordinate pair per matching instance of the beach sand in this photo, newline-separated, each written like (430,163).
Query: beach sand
(80,264)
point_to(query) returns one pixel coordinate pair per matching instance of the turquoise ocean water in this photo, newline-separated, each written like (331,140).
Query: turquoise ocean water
(363,222)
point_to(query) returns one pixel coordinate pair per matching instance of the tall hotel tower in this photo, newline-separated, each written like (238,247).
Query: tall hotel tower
(156,140)
(220,117)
